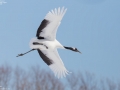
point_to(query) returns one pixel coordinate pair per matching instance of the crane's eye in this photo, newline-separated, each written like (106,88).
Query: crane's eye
(75,48)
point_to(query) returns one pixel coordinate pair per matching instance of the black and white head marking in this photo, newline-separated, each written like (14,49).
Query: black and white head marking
(72,48)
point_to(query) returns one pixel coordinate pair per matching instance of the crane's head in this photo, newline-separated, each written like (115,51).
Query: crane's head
(76,50)
(73,49)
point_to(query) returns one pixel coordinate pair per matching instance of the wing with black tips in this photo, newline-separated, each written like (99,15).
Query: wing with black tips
(52,59)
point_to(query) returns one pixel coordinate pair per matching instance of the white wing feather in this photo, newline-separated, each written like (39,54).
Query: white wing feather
(57,67)
(54,17)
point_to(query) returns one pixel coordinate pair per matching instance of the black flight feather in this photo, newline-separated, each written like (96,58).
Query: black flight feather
(43,24)
(45,58)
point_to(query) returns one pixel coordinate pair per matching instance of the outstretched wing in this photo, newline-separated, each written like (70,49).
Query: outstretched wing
(49,25)
(52,59)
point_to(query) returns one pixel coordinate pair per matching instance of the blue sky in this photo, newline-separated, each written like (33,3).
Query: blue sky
(93,26)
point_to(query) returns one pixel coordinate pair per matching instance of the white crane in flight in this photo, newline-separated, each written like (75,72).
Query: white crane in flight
(46,44)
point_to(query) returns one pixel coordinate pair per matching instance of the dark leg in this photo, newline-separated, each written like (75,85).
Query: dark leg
(24,53)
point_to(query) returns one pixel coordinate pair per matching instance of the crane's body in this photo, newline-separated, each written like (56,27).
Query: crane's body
(46,44)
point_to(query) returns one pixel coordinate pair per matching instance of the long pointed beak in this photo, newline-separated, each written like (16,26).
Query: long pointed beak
(79,52)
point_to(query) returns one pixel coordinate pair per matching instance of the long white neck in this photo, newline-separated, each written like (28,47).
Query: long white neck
(59,45)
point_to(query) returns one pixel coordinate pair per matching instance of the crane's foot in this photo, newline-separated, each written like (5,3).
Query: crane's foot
(19,55)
